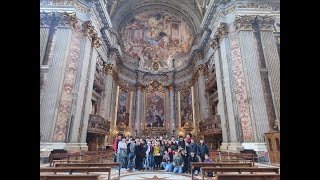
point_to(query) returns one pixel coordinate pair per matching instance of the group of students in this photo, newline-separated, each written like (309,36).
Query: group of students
(157,153)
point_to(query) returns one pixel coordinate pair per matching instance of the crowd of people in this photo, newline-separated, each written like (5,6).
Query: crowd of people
(157,153)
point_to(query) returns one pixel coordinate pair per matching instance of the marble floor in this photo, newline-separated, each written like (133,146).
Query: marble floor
(152,175)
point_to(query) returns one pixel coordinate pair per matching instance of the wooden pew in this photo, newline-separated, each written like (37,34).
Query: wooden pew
(236,157)
(215,164)
(69,177)
(248,176)
(77,169)
(67,158)
(114,164)
(237,169)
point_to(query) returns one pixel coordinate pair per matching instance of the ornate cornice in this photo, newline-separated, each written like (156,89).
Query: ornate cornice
(266,22)
(244,22)
(219,34)
(58,19)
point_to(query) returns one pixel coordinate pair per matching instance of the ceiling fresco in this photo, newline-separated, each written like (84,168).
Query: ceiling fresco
(156,37)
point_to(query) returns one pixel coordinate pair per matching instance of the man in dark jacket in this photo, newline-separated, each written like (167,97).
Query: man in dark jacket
(194,147)
(194,158)
(202,150)
(181,142)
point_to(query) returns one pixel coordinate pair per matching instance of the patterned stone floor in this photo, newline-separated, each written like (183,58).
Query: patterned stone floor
(152,175)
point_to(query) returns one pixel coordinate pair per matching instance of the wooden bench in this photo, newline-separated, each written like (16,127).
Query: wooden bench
(114,164)
(202,164)
(77,169)
(248,176)
(67,158)
(237,158)
(237,169)
(69,177)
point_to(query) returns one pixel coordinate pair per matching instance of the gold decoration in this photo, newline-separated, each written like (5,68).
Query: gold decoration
(155,66)
(266,22)
(140,87)
(92,33)
(109,69)
(170,87)
(155,86)
(244,22)
(202,69)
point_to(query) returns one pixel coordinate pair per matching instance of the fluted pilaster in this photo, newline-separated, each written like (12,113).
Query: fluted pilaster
(44,34)
(52,90)
(273,65)
(256,99)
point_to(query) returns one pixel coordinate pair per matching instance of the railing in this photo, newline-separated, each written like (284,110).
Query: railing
(210,126)
(98,125)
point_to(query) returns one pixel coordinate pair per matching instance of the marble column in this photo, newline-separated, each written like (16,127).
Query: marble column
(222,107)
(204,109)
(88,94)
(139,109)
(106,100)
(171,109)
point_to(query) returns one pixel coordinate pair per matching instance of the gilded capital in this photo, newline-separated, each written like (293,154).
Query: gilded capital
(219,34)
(266,22)
(244,22)
(109,69)
(140,87)
(92,33)
(170,87)
(202,69)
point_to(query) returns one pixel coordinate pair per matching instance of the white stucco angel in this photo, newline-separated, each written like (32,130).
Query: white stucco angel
(141,61)
(170,62)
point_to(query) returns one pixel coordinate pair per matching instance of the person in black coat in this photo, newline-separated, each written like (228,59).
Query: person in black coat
(202,150)
(140,154)
(194,158)
(181,142)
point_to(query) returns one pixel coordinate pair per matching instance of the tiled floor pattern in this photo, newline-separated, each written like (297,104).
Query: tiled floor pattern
(152,175)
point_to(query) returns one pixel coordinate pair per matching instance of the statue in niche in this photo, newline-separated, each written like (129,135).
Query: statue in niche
(170,62)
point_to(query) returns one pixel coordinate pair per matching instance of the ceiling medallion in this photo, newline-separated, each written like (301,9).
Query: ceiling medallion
(155,66)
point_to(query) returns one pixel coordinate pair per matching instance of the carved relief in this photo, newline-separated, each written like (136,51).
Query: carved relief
(266,22)
(219,34)
(92,33)
(244,22)
(202,69)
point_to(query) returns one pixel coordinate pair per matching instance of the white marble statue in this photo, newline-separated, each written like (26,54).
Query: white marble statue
(170,62)
(142,61)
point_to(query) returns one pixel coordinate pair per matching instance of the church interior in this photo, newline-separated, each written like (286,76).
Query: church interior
(160,89)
